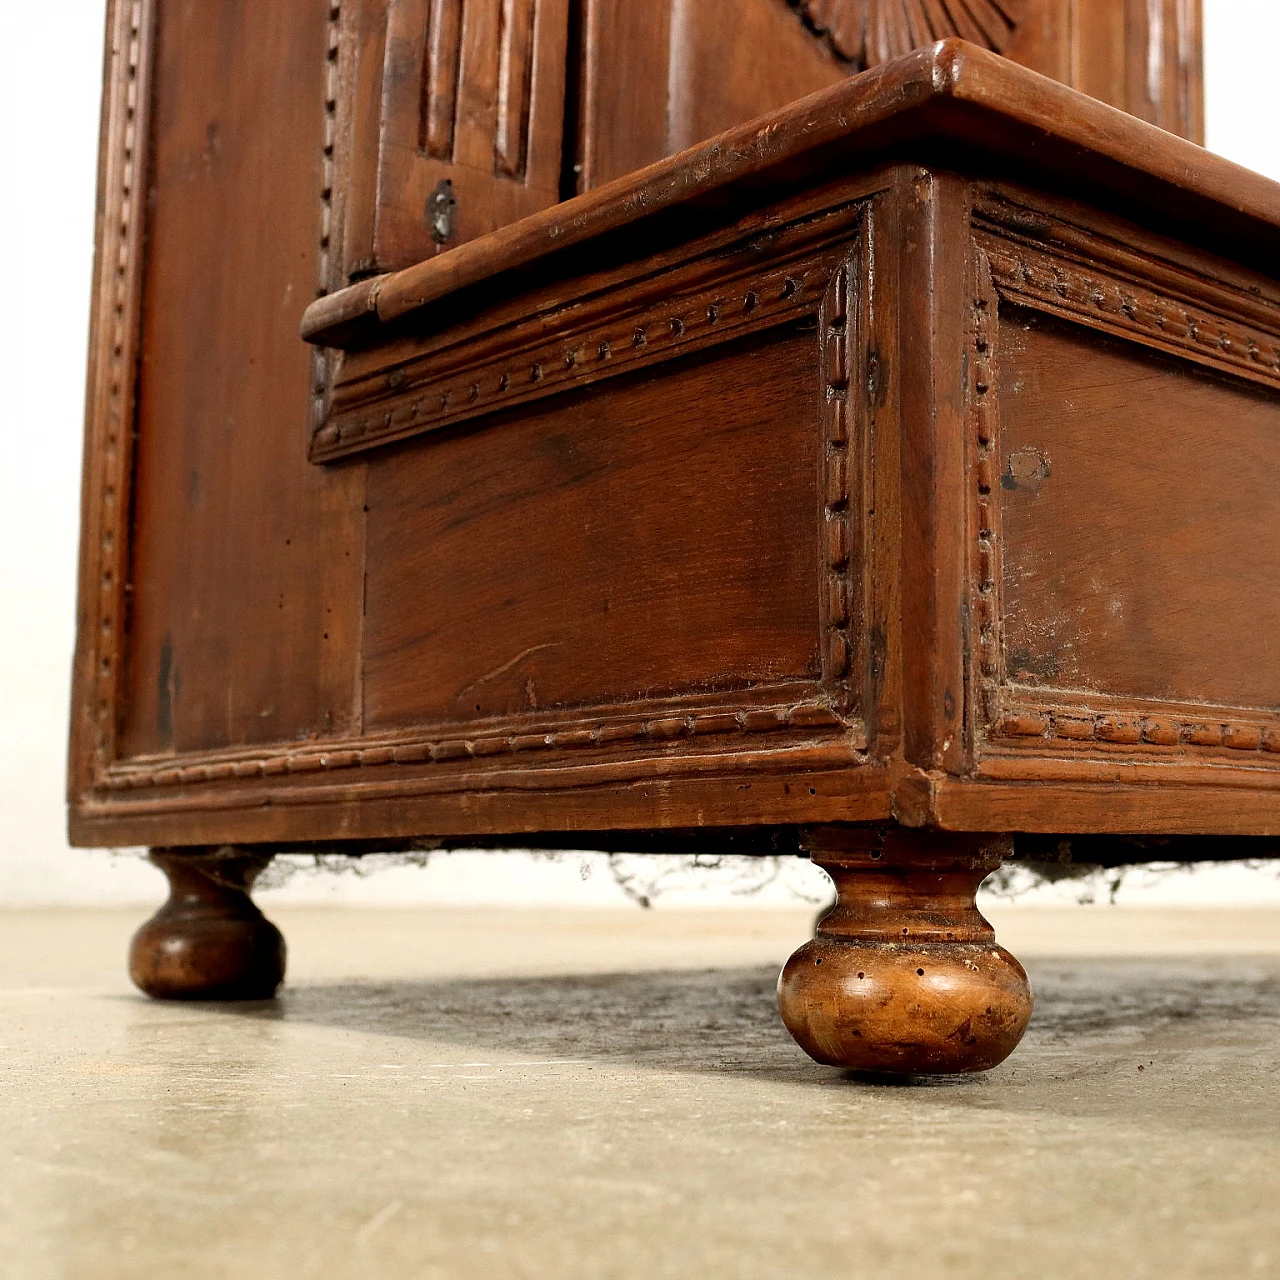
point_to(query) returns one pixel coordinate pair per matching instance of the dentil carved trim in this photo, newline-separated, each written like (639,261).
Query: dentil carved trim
(984,415)
(411,402)
(841,612)
(321,357)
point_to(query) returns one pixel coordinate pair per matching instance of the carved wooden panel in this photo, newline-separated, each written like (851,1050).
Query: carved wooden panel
(861,354)
(1143,56)
(450,122)
(626,625)
(1112,455)
(696,69)
(1125,409)
(220,414)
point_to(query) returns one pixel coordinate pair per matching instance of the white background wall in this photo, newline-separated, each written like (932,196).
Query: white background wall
(48,134)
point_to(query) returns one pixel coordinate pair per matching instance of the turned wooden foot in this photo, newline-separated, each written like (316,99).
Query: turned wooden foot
(904,974)
(209,941)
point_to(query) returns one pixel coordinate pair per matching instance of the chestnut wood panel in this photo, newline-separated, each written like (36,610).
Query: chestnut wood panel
(1141,521)
(657,535)
(246,561)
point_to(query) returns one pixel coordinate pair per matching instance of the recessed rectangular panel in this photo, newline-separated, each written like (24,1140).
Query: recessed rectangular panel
(655,535)
(1140,513)
(244,603)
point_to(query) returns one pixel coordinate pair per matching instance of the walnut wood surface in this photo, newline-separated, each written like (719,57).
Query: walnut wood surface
(904,974)
(500,523)
(229,537)
(209,941)
(446,119)
(693,486)
(1093,600)
(892,467)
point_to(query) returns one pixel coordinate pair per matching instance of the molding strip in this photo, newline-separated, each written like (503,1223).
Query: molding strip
(666,730)
(111,398)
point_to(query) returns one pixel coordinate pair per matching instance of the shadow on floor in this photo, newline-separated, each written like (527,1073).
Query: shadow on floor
(1206,1018)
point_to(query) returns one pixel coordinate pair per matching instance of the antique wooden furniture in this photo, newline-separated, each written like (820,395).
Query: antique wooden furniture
(890,477)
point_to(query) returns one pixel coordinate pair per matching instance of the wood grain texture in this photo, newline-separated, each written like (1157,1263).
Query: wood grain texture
(604,548)
(904,975)
(468,93)
(752,568)
(1129,486)
(209,941)
(232,533)
(952,99)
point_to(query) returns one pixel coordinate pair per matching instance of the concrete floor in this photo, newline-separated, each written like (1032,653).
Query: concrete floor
(610,1094)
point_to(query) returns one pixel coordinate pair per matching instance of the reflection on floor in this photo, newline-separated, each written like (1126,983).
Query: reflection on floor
(609,1093)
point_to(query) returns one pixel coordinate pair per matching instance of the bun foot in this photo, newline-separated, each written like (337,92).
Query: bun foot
(904,975)
(209,941)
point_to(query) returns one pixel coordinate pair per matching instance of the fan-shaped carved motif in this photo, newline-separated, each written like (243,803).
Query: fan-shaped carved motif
(865,32)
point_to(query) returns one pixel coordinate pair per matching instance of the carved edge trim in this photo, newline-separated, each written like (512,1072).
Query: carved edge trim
(985,426)
(616,344)
(356,754)
(322,358)
(840,614)
(1138,729)
(112,389)
(1123,306)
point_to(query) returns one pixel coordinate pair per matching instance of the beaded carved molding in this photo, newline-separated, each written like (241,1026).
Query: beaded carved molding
(1031,259)
(110,410)
(402,391)
(494,746)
